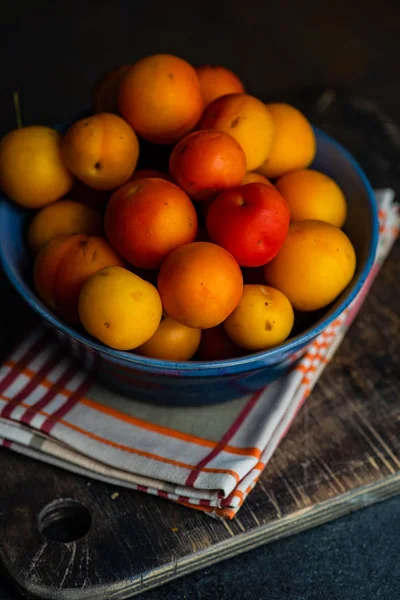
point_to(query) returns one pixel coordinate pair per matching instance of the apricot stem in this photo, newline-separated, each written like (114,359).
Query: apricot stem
(17,108)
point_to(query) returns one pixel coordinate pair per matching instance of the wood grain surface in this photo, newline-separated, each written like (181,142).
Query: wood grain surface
(342,453)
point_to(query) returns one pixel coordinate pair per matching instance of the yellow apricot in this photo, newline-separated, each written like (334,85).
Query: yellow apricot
(61,218)
(32,171)
(119,308)
(246,119)
(316,262)
(263,318)
(313,195)
(294,143)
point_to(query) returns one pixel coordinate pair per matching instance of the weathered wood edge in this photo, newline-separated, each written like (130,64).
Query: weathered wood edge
(300,521)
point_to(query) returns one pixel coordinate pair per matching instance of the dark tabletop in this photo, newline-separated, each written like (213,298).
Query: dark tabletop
(51,52)
(354,557)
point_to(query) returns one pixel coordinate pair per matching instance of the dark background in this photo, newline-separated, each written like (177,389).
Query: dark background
(53,52)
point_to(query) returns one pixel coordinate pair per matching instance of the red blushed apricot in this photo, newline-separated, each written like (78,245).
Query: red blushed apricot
(250,221)
(62,267)
(205,163)
(147,219)
(215,344)
(200,284)
(46,265)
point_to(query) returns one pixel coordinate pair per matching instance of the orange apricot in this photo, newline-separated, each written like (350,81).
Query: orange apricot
(62,218)
(62,267)
(171,341)
(245,118)
(101,150)
(205,163)
(160,98)
(200,284)
(294,144)
(216,81)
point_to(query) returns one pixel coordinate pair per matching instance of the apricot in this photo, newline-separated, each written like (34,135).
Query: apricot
(62,267)
(105,90)
(32,170)
(250,221)
(171,341)
(160,98)
(294,144)
(200,284)
(207,162)
(145,220)
(215,344)
(102,150)
(263,318)
(254,177)
(245,118)
(315,264)
(119,308)
(146,173)
(216,81)
(313,195)
(62,218)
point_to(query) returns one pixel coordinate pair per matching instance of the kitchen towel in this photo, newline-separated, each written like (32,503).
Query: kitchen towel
(208,458)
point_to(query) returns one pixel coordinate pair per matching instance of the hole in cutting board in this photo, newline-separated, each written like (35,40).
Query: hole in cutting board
(64,520)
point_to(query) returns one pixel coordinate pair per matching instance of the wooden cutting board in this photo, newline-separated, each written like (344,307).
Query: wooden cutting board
(342,453)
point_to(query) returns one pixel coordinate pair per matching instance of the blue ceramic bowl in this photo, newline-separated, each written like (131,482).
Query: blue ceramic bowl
(192,383)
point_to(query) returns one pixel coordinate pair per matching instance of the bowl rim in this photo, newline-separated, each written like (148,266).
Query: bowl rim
(199,368)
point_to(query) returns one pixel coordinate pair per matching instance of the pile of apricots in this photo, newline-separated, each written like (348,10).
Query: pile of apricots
(180,218)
